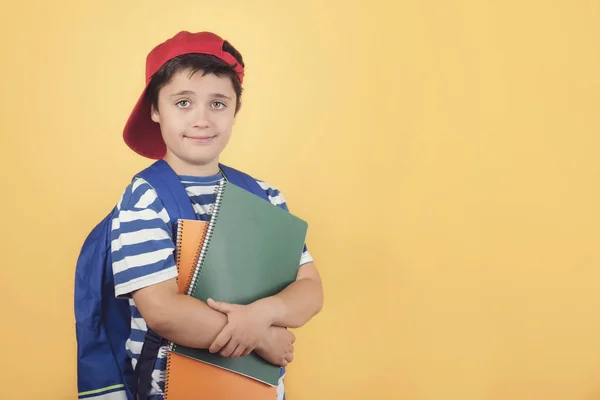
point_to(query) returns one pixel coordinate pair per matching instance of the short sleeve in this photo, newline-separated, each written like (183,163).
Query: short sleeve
(142,247)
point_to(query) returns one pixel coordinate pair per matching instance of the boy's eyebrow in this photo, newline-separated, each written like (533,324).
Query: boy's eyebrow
(220,96)
(183,93)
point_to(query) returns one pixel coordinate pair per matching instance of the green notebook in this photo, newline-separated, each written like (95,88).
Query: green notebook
(252,250)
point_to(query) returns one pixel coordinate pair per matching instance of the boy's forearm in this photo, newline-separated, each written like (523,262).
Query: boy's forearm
(295,305)
(177,317)
(190,322)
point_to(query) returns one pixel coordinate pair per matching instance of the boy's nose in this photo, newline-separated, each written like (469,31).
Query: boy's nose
(201,119)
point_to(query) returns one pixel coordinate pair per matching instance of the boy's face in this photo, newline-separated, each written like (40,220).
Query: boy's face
(196,115)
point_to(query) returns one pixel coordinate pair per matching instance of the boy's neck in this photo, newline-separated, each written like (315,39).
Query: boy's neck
(182,168)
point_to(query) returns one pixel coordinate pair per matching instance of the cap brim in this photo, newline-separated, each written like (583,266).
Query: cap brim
(142,134)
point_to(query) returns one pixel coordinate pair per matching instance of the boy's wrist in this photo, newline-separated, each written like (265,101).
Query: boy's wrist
(271,307)
(262,343)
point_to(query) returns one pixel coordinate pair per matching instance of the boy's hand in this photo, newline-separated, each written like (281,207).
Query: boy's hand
(246,326)
(277,347)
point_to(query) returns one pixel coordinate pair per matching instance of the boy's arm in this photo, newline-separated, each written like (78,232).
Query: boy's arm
(190,322)
(177,317)
(303,299)
(299,302)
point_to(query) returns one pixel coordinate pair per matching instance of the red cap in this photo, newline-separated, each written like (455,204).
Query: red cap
(142,134)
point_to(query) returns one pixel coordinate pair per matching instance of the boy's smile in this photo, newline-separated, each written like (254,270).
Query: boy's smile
(200,140)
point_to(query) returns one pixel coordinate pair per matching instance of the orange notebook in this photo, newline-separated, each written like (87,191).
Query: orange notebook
(186,378)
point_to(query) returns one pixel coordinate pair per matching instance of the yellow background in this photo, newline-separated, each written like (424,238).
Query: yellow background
(444,153)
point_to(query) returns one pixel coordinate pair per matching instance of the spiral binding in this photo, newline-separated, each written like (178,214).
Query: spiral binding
(214,212)
(179,239)
(167,370)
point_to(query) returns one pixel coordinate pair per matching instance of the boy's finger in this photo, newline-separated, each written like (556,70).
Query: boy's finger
(289,357)
(247,352)
(238,351)
(222,339)
(219,306)
(229,349)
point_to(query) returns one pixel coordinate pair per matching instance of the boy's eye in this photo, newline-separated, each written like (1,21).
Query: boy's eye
(218,105)
(183,104)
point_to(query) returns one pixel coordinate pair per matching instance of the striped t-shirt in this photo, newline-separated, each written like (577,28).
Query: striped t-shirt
(142,250)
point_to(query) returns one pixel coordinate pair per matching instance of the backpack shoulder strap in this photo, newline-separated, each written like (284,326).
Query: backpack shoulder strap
(170,190)
(244,181)
(174,198)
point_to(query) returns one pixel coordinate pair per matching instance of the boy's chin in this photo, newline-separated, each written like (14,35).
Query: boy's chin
(201,161)
(196,160)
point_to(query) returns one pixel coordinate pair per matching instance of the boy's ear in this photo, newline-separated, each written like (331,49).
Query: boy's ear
(236,113)
(154,114)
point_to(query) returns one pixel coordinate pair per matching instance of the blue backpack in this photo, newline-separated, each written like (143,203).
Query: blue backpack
(104,370)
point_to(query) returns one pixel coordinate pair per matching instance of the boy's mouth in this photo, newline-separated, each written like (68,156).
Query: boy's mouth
(201,139)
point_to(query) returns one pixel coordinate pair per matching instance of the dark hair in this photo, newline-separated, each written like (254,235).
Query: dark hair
(206,63)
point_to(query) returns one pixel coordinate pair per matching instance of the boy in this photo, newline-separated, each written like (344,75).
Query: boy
(185,116)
